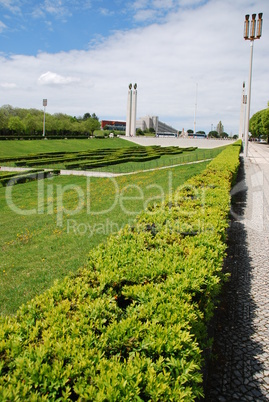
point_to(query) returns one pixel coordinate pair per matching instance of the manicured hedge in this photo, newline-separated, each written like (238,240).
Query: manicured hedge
(40,137)
(95,158)
(27,176)
(132,324)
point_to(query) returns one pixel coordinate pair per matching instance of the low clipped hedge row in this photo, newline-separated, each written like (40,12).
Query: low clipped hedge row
(11,180)
(95,158)
(132,324)
(126,155)
(40,137)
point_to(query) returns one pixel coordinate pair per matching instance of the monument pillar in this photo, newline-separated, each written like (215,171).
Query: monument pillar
(129,112)
(133,115)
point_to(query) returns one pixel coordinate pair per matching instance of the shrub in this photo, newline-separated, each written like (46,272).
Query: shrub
(132,324)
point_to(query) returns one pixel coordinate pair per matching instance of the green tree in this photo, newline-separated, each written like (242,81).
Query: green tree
(213,134)
(86,116)
(49,124)
(77,128)
(139,132)
(33,124)
(15,124)
(20,120)
(94,117)
(265,124)
(256,124)
(90,125)
(3,119)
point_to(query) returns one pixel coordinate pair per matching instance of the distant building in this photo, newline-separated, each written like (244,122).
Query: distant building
(113,125)
(159,127)
(144,123)
(197,135)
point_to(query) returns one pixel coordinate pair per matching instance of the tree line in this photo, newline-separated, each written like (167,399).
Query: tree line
(18,121)
(259,124)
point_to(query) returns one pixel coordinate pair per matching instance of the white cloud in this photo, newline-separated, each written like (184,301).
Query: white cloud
(146,15)
(106,12)
(11,5)
(8,85)
(50,78)
(2,26)
(203,46)
(56,8)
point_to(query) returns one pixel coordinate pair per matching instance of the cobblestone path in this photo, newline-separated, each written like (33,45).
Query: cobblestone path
(240,370)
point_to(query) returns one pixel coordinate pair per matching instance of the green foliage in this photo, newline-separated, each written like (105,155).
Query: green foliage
(131,325)
(213,134)
(36,250)
(139,132)
(95,158)
(33,175)
(29,122)
(16,125)
(259,124)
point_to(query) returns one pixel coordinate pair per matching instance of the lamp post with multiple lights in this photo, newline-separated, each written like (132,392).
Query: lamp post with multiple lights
(250,33)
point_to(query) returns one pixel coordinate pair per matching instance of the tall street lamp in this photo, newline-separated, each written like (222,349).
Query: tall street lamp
(250,33)
(45,103)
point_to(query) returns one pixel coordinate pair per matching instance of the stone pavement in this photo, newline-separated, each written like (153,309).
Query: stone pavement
(202,143)
(240,371)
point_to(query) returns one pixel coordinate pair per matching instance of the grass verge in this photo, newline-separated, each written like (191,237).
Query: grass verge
(19,148)
(48,227)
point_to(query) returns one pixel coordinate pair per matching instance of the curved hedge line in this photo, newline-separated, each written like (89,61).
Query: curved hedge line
(132,324)
(96,158)
(24,177)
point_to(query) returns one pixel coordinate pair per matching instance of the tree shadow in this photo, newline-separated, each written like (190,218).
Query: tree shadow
(234,371)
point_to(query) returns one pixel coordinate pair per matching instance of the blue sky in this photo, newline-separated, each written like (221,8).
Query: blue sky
(82,55)
(29,27)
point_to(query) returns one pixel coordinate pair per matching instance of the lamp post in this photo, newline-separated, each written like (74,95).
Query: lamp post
(45,102)
(250,34)
(195,109)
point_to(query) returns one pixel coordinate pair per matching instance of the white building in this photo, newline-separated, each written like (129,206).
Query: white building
(159,127)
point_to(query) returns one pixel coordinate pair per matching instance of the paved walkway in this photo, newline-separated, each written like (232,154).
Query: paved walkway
(202,143)
(90,173)
(241,331)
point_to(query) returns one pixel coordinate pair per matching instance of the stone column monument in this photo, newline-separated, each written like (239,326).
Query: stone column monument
(134,107)
(131,112)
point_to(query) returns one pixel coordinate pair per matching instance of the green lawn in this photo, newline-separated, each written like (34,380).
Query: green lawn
(49,227)
(18,148)
(165,160)
(23,148)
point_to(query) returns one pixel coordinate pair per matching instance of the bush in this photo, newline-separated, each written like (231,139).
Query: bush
(27,176)
(132,324)
(94,158)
